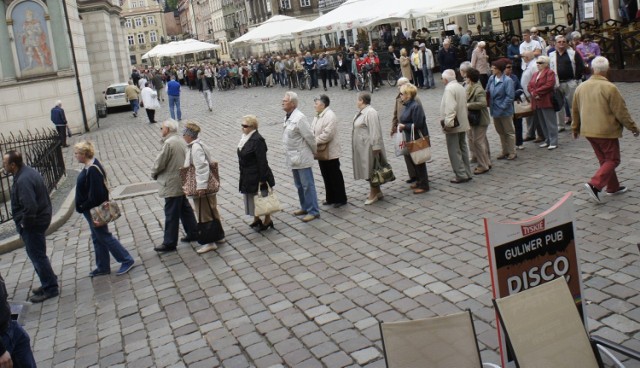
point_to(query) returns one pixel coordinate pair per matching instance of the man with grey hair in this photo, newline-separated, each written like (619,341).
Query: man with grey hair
(166,170)
(455,124)
(568,66)
(299,147)
(395,120)
(600,114)
(59,119)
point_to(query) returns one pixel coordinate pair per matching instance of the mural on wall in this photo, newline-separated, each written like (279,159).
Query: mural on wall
(32,41)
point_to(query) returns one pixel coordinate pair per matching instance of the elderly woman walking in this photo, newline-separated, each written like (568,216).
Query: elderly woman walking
(206,203)
(367,144)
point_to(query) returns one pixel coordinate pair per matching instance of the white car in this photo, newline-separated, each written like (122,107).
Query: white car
(114,95)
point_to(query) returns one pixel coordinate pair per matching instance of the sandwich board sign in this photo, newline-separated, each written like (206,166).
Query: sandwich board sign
(527,253)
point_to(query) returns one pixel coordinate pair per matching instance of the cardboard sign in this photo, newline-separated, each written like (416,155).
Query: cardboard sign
(528,253)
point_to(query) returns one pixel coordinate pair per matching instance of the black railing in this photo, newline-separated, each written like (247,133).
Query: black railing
(42,151)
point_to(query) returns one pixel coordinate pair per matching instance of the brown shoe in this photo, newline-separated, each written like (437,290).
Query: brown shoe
(414,185)
(308,218)
(502,157)
(480,170)
(420,190)
(299,212)
(538,140)
(512,156)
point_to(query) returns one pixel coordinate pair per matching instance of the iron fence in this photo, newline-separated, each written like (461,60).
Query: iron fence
(41,150)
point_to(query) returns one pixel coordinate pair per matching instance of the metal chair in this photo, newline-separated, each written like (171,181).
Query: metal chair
(438,342)
(544,329)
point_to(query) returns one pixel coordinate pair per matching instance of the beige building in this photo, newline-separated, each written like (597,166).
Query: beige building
(144,27)
(68,51)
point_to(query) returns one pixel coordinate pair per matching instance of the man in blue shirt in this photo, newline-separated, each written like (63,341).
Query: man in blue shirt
(173,91)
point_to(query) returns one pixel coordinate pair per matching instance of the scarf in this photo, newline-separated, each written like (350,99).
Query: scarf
(244,139)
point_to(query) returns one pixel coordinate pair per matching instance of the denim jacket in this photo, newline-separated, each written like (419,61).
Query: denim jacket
(501,95)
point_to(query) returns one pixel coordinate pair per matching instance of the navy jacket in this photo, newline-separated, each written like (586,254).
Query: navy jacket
(5,313)
(90,188)
(30,202)
(57,116)
(413,118)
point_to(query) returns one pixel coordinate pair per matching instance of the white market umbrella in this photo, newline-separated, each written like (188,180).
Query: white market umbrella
(277,28)
(175,48)
(351,14)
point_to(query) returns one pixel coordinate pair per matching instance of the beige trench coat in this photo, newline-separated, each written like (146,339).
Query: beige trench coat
(325,129)
(366,137)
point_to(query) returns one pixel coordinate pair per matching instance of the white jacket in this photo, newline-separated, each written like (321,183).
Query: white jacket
(199,156)
(298,141)
(149,98)
(325,128)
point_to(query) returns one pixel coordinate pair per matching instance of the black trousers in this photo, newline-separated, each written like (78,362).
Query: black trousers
(62,132)
(178,209)
(421,174)
(333,181)
(151,114)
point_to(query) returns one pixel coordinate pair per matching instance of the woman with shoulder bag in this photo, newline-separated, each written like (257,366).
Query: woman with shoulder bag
(92,191)
(255,173)
(413,124)
(206,204)
(479,120)
(541,88)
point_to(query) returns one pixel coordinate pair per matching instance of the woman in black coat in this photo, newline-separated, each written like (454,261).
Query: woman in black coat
(254,169)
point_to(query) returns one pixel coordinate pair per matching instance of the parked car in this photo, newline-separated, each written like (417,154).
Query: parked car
(114,95)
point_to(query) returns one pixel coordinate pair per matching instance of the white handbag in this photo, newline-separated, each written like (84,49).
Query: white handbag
(268,204)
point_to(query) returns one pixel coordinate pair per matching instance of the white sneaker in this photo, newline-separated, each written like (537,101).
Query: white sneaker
(543,145)
(207,248)
(552,148)
(520,147)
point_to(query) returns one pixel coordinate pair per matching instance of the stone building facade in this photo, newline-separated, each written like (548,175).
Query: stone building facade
(144,27)
(50,53)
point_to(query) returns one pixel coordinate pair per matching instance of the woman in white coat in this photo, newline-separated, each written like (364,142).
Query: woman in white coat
(367,144)
(150,101)
(206,204)
(325,129)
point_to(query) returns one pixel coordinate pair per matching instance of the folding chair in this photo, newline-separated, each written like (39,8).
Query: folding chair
(438,342)
(545,330)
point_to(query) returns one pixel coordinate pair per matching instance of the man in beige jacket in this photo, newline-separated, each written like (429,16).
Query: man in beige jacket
(453,109)
(599,113)
(166,170)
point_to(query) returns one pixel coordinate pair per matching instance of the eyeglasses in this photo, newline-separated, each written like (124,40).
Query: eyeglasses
(561,41)
(246,126)
(508,67)
(540,62)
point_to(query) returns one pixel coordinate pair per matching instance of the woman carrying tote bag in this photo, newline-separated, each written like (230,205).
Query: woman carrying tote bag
(413,123)
(254,170)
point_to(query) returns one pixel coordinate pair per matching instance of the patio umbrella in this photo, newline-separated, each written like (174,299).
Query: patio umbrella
(277,28)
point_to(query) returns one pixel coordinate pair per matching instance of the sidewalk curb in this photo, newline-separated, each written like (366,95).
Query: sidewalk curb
(59,218)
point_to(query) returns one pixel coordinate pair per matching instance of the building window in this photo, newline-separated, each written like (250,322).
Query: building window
(285,4)
(141,4)
(127,23)
(268,7)
(546,16)
(138,22)
(131,40)
(153,37)
(151,20)
(133,4)
(304,3)
(133,59)
(141,38)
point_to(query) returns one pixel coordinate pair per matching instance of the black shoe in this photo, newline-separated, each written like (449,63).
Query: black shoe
(411,180)
(325,203)
(264,227)
(188,239)
(97,272)
(338,205)
(165,248)
(37,291)
(257,223)
(592,192)
(44,296)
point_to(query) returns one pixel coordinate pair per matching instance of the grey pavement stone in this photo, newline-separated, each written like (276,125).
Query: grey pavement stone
(312,294)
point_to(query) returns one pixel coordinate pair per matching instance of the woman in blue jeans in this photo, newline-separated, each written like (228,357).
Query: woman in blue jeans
(91,191)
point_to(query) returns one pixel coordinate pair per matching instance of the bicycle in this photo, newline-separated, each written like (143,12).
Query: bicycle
(392,76)
(226,83)
(305,82)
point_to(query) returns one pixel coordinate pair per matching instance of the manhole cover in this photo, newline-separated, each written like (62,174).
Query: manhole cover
(134,190)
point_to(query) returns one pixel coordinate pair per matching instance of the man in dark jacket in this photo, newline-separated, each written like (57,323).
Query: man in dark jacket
(447,56)
(31,208)
(15,348)
(60,121)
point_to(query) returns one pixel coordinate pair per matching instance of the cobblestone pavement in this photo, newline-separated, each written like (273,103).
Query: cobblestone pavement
(311,294)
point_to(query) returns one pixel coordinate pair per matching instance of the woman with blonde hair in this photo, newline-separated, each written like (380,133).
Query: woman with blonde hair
(206,204)
(405,65)
(255,173)
(92,191)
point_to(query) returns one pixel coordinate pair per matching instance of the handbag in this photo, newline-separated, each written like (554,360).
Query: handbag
(382,172)
(107,211)
(322,153)
(400,144)
(456,123)
(210,231)
(188,178)
(522,109)
(419,149)
(474,117)
(557,99)
(266,205)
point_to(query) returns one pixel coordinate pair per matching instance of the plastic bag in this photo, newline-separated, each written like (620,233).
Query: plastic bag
(400,144)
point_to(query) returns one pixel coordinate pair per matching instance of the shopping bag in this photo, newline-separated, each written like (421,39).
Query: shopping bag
(419,149)
(400,143)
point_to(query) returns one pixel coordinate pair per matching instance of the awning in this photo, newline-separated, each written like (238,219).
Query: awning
(277,28)
(175,48)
